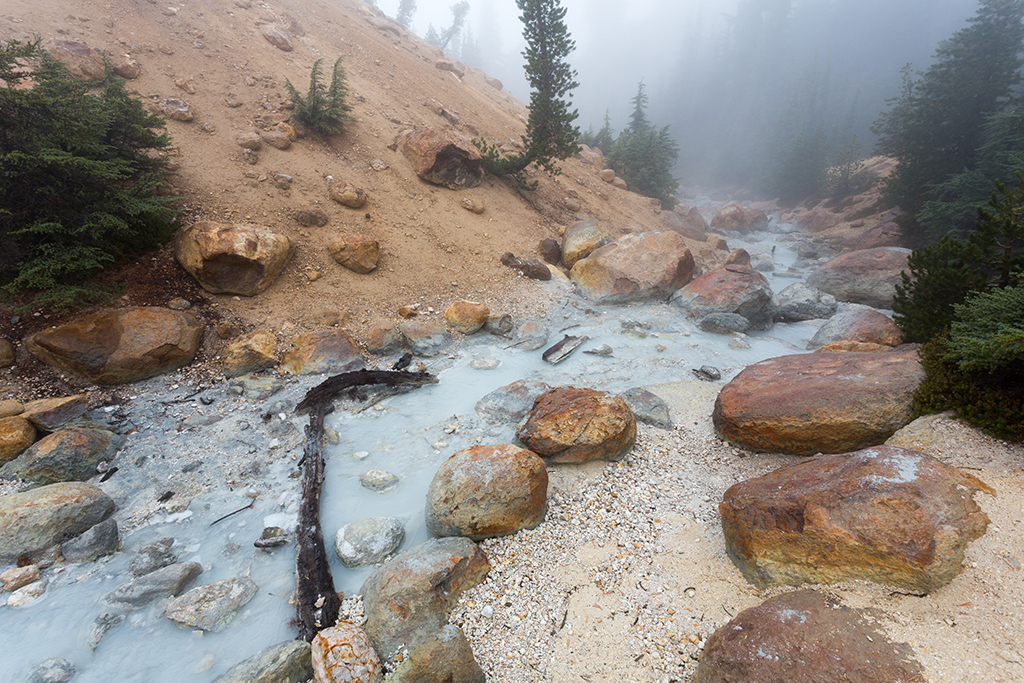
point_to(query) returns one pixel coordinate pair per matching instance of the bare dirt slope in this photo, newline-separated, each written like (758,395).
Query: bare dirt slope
(212,54)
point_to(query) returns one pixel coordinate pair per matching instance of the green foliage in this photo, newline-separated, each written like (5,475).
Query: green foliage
(442,40)
(406,8)
(990,402)
(945,274)
(935,125)
(953,207)
(550,133)
(988,332)
(323,111)
(847,176)
(78,177)
(644,155)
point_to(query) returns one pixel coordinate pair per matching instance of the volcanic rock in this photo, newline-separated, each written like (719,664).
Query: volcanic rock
(467,317)
(799,302)
(343,654)
(228,258)
(16,435)
(581,239)
(288,662)
(887,515)
(866,277)
(444,656)
(442,157)
(118,346)
(325,351)
(738,219)
(819,403)
(861,325)
(575,425)
(644,267)
(213,606)
(734,288)
(34,520)
(368,541)
(251,353)
(347,194)
(67,455)
(358,253)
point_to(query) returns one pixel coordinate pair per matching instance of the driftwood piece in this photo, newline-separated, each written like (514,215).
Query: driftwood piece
(316,602)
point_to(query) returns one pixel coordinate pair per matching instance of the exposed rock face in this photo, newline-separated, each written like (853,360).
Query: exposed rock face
(253,352)
(16,435)
(819,403)
(885,234)
(444,656)
(866,277)
(799,302)
(213,606)
(442,157)
(486,491)
(802,637)
(67,455)
(645,267)
(581,239)
(326,351)
(358,253)
(343,654)
(738,219)
(574,425)
(113,347)
(887,515)
(34,520)
(288,662)
(228,258)
(50,414)
(862,325)
(410,598)
(734,288)
(467,317)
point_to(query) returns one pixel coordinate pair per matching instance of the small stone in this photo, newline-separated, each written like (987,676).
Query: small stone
(166,582)
(177,109)
(249,140)
(347,194)
(358,253)
(99,541)
(101,625)
(310,217)
(272,537)
(368,541)
(276,138)
(287,662)
(151,557)
(228,330)
(17,577)
(379,481)
(343,653)
(213,606)
(467,317)
(530,336)
(179,304)
(6,354)
(16,435)
(53,670)
(474,204)
(26,595)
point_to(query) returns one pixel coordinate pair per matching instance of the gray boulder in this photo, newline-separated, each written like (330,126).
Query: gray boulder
(288,662)
(801,302)
(213,606)
(67,455)
(165,582)
(368,541)
(96,542)
(866,277)
(34,520)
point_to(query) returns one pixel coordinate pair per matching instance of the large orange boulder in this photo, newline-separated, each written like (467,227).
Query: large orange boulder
(736,287)
(866,277)
(229,258)
(819,402)
(645,267)
(738,219)
(574,425)
(442,157)
(861,325)
(886,515)
(114,347)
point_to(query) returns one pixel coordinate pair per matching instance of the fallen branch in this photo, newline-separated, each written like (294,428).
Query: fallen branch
(316,602)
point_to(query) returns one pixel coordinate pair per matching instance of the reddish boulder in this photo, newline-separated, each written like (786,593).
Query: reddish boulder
(326,351)
(228,258)
(734,288)
(113,347)
(866,277)
(819,403)
(888,515)
(803,637)
(49,414)
(486,491)
(817,220)
(645,267)
(862,325)
(467,317)
(573,425)
(741,220)
(442,157)
(581,239)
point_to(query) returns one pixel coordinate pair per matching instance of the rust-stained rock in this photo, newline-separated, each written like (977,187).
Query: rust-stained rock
(574,425)
(128,68)
(736,287)
(113,347)
(177,109)
(358,253)
(326,351)
(81,60)
(66,455)
(251,353)
(645,267)
(866,277)
(34,520)
(49,414)
(249,140)
(347,194)
(343,654)
(486,491)
(230,258)
(442,157)
(860,325)
(444,656)
(804,637)
(581,239)
(410,598)
(887,515)
(467,317)
(819,402)
(445,65)
(738,219)
(276,138)
(16,435)
(383,338)
(310,217)
(278,37)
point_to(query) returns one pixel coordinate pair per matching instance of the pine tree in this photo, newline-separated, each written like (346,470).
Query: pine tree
(934,126)
(550,133)
(322,112)
(644,156)
(79,174)
(605,138)
(459,12)
(406,8)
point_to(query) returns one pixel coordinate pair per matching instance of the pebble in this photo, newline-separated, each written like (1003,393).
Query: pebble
(26,595)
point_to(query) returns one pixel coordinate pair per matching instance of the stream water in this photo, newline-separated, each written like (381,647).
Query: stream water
(407,435)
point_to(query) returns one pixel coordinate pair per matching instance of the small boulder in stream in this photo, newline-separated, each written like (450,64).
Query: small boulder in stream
(576,425)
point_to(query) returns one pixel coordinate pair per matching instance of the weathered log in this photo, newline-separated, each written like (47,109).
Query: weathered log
(316,602)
